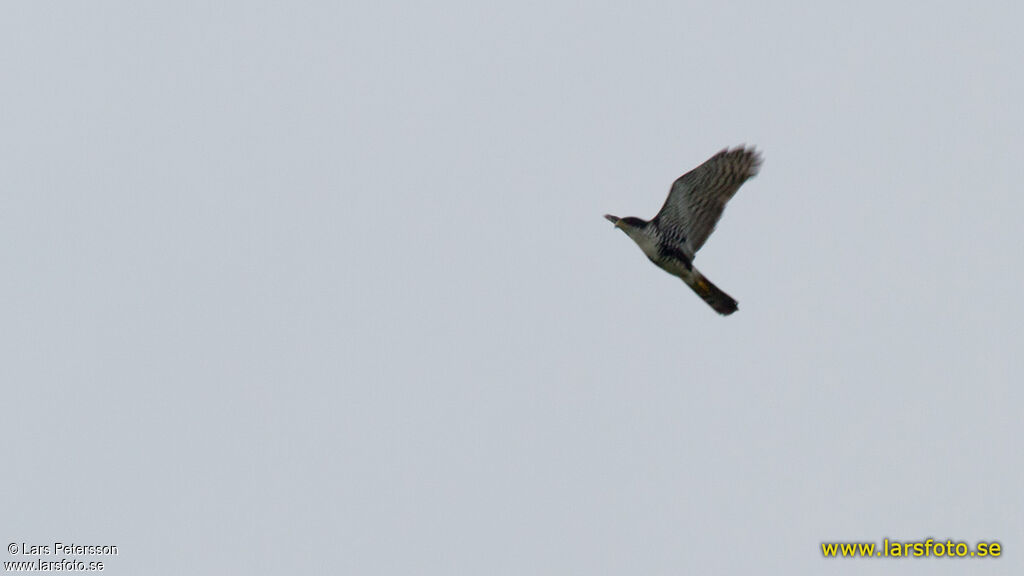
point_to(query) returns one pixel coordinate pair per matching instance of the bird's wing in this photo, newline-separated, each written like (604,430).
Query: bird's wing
(697,198)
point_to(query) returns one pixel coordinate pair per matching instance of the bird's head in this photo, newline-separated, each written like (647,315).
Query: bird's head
(627,224)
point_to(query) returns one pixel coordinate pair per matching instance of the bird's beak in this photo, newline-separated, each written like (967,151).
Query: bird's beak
(612,219)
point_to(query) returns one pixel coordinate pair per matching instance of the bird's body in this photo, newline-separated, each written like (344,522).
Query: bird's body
(693,207)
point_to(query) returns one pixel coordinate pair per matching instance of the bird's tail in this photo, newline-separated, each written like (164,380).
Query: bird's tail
(713,295)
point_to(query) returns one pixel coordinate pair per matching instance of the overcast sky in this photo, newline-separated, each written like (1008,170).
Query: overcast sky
(325,287)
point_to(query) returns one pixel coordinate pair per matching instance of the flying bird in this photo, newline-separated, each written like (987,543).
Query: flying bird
(694,204)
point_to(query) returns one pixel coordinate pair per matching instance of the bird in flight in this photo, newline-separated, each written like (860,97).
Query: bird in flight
(694,204)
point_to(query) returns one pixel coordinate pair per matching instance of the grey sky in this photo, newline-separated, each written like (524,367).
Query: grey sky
(325,286)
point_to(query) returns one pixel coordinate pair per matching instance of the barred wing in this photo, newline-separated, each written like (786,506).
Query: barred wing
(697,198)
